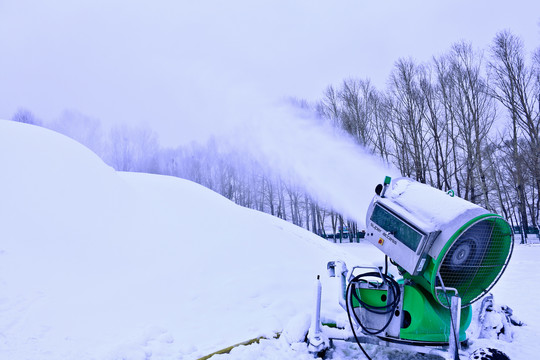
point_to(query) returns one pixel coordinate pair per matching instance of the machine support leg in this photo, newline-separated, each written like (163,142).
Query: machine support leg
(317,342)
(342,300)
(316,320)
(455,316)
(342,269)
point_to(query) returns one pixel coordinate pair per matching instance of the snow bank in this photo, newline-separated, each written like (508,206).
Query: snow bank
(96,264)
(99,264)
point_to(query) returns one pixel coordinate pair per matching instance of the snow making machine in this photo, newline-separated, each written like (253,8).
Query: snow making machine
(448,252)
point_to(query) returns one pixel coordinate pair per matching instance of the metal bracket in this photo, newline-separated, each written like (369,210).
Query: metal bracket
(331,266)
(351,276)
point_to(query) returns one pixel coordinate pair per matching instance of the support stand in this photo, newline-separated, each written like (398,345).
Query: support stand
(455,318)
(317,341)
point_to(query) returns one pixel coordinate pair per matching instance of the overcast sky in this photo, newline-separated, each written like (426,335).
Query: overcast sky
(183,67)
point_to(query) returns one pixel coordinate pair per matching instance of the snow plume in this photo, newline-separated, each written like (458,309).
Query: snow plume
(310,153)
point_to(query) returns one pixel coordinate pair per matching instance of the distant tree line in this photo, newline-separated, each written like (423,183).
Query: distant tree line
(466,121)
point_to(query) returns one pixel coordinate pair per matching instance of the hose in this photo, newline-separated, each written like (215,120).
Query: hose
(389,308)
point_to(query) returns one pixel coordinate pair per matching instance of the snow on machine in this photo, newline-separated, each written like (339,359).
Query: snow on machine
(449,254)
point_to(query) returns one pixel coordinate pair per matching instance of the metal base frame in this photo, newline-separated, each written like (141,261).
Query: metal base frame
(442,351)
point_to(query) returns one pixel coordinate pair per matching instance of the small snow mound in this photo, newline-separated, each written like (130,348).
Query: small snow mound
(297,328)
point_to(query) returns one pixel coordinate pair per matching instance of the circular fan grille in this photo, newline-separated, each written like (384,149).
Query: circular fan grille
(475,260)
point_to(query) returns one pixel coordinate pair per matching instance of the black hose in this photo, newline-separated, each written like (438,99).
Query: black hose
(352,325)
(393,287)
(389,308)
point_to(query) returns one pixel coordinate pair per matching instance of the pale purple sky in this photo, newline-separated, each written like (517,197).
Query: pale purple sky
(183,67)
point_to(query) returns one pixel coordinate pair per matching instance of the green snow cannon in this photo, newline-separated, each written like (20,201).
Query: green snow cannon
(443,246)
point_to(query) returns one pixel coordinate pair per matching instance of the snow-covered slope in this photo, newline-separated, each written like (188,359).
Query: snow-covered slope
(99,264)
(96,264)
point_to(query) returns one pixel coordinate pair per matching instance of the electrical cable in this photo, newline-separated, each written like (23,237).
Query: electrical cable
(349,305)
(389,308)
(393,286)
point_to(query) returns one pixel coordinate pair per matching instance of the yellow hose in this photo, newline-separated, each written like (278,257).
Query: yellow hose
(228,349)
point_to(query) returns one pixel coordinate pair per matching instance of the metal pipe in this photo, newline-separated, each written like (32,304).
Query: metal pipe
(455,319)
(317,341)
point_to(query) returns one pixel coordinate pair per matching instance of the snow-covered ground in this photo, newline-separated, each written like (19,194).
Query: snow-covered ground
(96,264)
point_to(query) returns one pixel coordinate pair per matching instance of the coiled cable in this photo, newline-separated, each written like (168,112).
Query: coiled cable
(389,308)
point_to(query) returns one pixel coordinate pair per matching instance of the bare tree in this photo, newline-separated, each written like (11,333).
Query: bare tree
(446,93)
(474,116)
(382,114)
(408,130)
(133,149)
(329,106)
(517,87)
(437,128)
(357,109)
(84,129)
(25,116)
